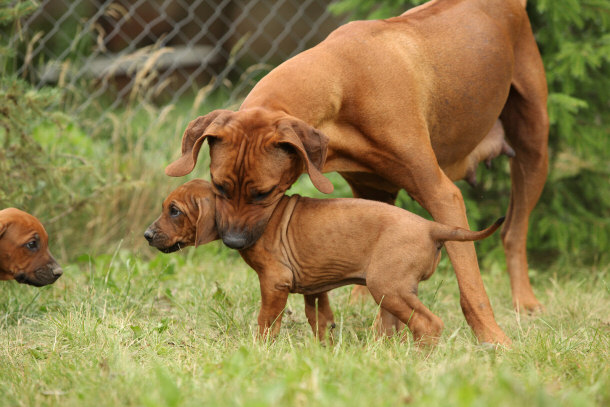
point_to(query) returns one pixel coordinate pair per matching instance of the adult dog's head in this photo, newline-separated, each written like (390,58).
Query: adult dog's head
(187,218)
(24,250)
(256,155)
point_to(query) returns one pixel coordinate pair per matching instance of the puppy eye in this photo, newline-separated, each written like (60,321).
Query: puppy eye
(32,245)
(174,212)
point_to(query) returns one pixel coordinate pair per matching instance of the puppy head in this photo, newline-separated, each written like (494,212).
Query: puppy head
(187,218)
(256,155)
(24,250)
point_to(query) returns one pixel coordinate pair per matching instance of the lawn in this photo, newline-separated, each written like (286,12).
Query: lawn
(128,326)
(136,328)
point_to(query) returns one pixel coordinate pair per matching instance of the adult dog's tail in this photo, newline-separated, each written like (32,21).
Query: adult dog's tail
(443,233)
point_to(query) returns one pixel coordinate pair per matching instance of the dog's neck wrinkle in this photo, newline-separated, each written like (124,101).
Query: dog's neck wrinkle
(285,243)
(248,152)
(239,166)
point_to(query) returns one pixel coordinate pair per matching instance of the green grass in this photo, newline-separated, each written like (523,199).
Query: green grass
(180,330)
(126,326)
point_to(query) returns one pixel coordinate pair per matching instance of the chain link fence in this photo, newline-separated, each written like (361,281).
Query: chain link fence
(112,52)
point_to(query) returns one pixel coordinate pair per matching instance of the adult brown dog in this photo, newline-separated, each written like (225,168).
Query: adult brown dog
(24,250)
(314,245)
(391,104)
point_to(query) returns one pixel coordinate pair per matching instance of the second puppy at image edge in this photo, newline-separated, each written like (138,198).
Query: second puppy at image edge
(315,245)
(24,250)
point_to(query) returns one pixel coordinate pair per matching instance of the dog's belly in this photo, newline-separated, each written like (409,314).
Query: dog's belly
(319,276)
(316,287)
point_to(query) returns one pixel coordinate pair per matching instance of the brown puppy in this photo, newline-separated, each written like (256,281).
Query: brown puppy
(392,104)
(24,250)
(314,245)
(188,218)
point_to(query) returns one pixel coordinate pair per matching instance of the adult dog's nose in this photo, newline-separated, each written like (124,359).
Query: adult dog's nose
(148,235)
(235,240)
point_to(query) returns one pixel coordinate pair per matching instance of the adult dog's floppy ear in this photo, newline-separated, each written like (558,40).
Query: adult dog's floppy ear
(205,231)
(193,138)
(311,146)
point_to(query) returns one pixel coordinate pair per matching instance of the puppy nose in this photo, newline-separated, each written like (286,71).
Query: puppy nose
(148,235)
(235,241)
(57,271)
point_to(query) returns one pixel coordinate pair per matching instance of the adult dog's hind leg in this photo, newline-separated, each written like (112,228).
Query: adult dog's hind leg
(526,124)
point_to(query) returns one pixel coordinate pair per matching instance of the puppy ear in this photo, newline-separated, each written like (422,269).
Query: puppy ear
(311,145)
(192,139)
(205,231)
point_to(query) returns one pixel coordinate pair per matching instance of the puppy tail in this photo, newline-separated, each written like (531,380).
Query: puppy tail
(443,233)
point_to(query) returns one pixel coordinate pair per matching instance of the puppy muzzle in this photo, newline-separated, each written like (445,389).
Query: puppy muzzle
(159,241)
(149,235)
(42,276)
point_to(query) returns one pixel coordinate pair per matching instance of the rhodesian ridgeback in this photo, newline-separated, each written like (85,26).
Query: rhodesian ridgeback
(188,218)
(24,250)
(311,246)
(391,104)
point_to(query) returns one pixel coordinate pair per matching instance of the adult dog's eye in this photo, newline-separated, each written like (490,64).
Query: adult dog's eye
(174,212)
(260,195)
(32,245)
(220,190)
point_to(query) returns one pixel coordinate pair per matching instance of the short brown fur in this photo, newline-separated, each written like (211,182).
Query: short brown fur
(392,104)
(311,246)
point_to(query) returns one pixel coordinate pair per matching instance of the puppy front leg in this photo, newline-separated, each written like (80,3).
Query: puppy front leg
(273,302)
(319,314)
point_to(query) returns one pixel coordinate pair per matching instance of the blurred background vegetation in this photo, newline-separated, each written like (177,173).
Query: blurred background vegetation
(97,183)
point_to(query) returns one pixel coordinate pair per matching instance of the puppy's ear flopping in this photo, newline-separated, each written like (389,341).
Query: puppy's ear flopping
(205,231)
(311,145)
(192,139)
